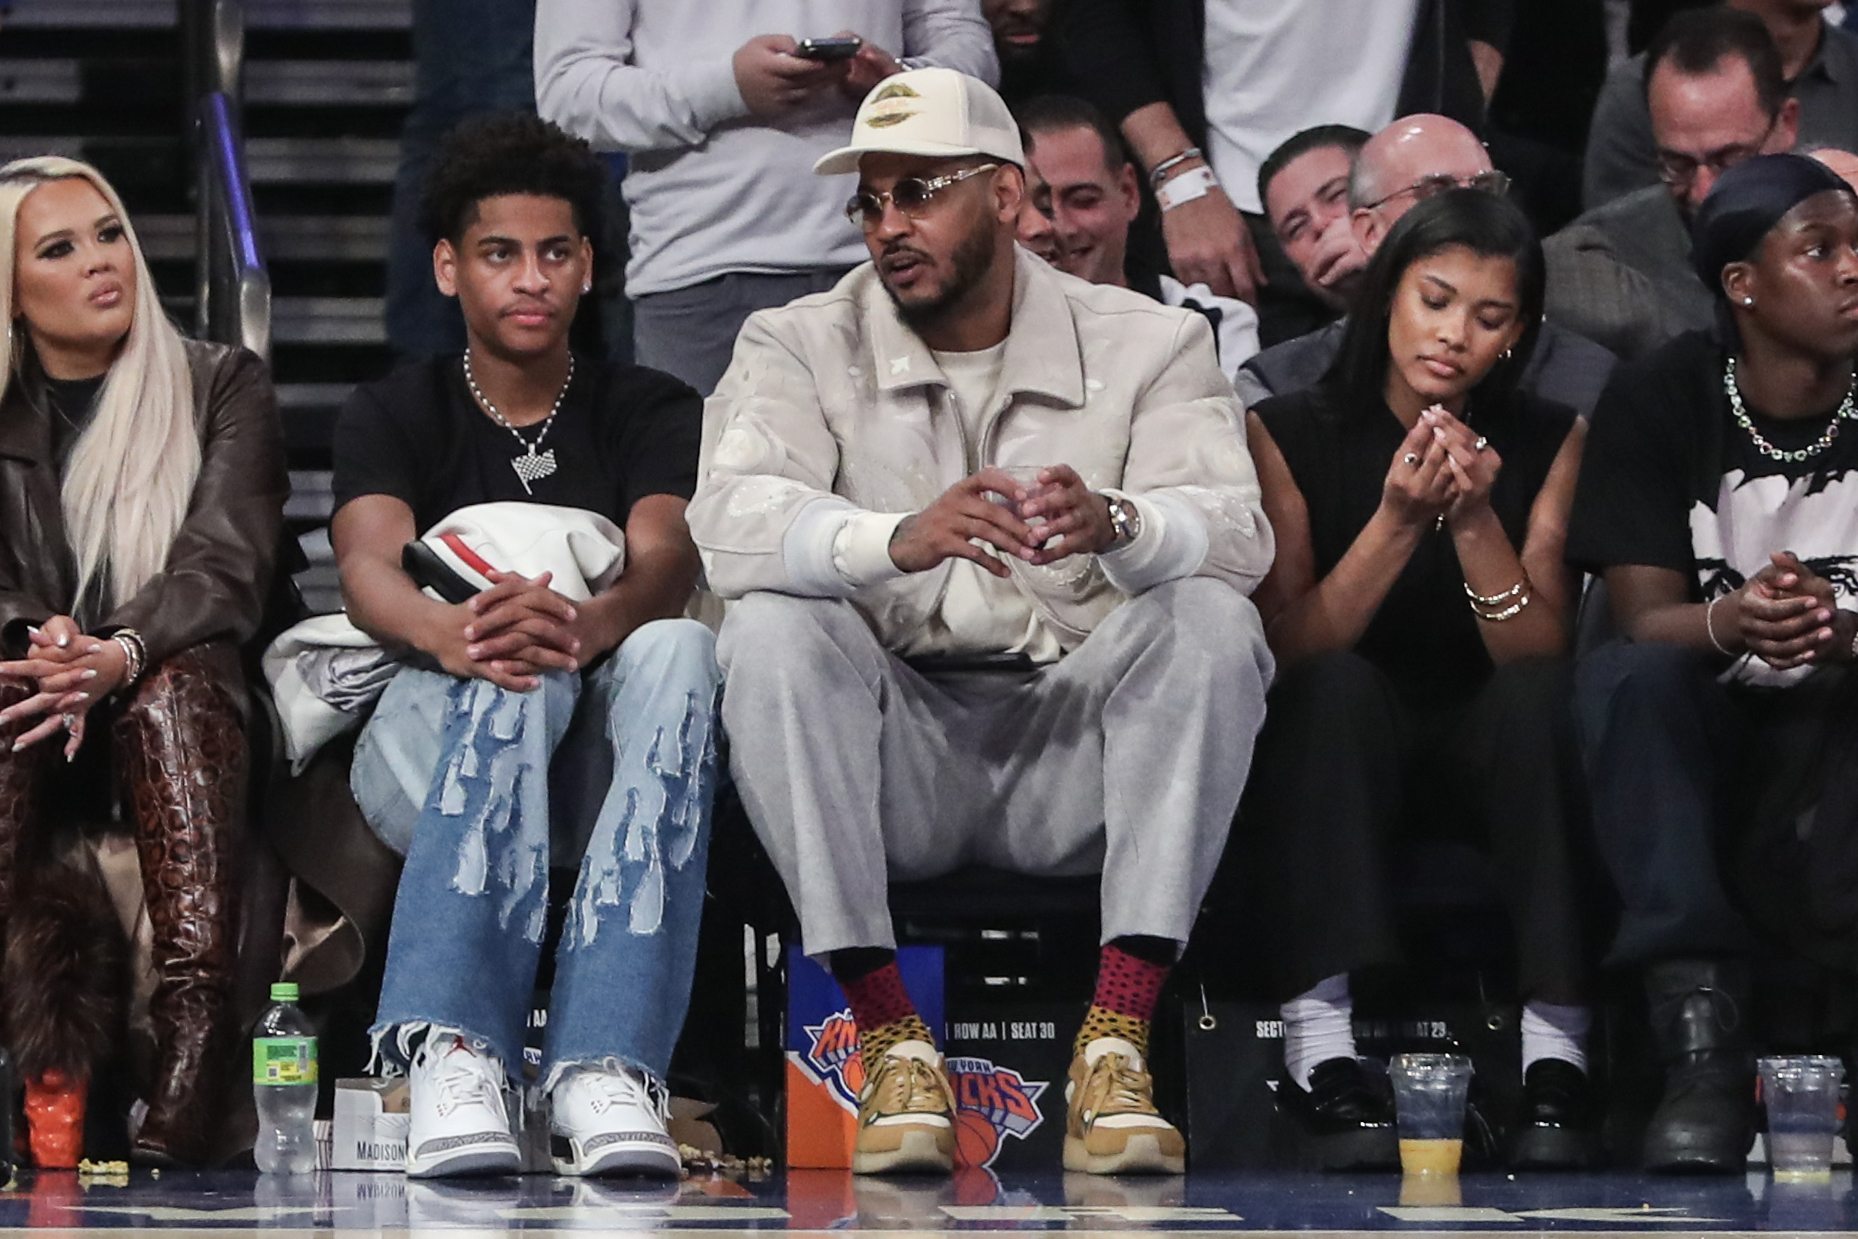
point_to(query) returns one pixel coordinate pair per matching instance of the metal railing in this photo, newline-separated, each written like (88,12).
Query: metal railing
(232,287)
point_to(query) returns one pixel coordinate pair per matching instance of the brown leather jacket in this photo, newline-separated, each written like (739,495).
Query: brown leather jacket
(218,574)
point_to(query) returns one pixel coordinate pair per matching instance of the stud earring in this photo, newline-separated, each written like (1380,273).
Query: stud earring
(586,288)
(1748,301)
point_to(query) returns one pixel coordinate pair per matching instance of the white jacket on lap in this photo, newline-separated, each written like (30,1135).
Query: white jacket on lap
(833,409)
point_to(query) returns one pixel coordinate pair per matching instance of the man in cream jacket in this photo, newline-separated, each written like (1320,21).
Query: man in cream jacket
(985,533)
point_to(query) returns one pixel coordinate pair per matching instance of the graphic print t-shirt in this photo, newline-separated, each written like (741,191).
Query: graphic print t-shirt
(1670,480)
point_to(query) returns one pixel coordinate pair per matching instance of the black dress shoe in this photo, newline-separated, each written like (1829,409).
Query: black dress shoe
(1346,1116)
(1558,1128)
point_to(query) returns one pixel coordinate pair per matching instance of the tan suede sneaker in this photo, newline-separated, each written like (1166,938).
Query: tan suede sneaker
(906,1114)
(1113,1126)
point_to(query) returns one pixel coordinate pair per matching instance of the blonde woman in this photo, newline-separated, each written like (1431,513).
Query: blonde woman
(141,496)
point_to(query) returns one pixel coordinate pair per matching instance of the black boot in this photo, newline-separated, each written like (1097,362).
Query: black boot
(1706,1119)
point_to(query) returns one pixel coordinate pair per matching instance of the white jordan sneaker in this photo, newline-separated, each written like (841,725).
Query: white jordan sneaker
(611,1120)
(459,1122)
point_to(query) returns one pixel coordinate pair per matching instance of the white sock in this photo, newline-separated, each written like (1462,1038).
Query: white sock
(1318,1025)
(1550,1031)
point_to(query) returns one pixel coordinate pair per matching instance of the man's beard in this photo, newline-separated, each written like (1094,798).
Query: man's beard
(972,260)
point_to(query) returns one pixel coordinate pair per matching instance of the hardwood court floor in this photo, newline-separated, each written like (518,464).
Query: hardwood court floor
(814,1202)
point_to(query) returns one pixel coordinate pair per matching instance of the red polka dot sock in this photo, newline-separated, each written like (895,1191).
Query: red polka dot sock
(1124,1005)
(883,1011)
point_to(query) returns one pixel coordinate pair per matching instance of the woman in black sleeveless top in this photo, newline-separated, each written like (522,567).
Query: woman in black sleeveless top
(1419,609)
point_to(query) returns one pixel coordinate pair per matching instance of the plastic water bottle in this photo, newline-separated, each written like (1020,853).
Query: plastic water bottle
(284,1085)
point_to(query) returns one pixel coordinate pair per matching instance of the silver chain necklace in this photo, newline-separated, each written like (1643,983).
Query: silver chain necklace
(1736,410)
(532,466)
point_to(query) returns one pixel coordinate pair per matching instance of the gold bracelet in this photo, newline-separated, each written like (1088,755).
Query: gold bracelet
(1507,613)
(1497,600)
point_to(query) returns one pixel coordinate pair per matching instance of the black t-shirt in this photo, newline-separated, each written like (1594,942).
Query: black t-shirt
(1669,480)
(1423,636)
(623,432)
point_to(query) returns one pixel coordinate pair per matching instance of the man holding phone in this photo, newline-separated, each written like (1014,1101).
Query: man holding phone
(721,124)
(986,534)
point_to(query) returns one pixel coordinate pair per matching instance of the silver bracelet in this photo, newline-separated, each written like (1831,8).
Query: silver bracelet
(135,654)
(1172,161)
(1709,626)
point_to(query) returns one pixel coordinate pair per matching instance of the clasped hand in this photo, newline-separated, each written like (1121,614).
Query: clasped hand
(512,633)
(1439,471)
(70,672)
(963,523)
(1788,616)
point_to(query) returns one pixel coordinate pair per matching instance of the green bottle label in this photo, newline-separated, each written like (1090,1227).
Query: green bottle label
(284,1060)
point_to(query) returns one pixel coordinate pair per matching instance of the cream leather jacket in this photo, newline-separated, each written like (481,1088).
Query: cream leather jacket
(833,405)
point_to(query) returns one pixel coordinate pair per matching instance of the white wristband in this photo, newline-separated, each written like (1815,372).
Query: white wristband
(1189,185)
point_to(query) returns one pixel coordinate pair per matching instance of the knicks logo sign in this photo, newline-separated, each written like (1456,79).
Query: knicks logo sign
(992,1103)
(833,1058)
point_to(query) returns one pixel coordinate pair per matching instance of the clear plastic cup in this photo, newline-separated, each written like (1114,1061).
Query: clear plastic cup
(1028,477)
(1801,1093)
(1429,1100)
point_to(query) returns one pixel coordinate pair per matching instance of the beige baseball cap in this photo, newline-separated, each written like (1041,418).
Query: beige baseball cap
(938,112)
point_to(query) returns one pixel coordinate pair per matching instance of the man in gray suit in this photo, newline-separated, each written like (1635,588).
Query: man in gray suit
(1621,274)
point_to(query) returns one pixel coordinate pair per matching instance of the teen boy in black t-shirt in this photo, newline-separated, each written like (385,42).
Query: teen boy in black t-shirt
(454,767)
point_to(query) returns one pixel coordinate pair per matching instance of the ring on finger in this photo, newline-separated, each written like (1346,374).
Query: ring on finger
(69,720)
(1411,460)
(1481,444)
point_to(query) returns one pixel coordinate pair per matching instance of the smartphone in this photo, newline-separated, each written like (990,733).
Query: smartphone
(828,49)
(428,571)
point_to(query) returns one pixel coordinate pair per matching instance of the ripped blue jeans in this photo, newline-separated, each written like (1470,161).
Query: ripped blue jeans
(456,775)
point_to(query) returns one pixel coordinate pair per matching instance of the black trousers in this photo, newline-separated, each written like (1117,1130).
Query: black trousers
(1678,764)
(1345,770)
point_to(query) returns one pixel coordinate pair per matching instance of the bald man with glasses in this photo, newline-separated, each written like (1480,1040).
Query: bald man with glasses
(1415,158)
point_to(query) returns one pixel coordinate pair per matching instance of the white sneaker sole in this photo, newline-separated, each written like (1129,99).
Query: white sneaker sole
(1141,1155)
(917,1153)
(616,1157)
(479,1155)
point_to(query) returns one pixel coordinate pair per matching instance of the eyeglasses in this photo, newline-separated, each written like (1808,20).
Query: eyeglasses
(1678,170)
(911,195)
(1432,186)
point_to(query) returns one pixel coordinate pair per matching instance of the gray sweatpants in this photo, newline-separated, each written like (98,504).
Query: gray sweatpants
(1125,758)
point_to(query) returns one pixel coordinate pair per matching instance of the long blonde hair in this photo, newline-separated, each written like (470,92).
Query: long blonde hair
(131,473)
